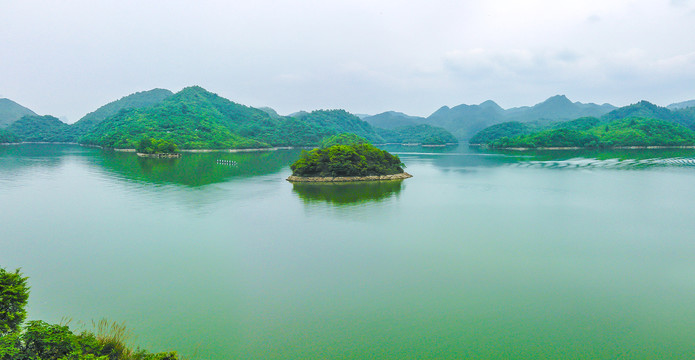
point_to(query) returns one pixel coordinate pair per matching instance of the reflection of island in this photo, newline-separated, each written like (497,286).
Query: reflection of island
(348,192)
(197,169)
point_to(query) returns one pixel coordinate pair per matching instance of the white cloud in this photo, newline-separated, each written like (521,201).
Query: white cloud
(368,56)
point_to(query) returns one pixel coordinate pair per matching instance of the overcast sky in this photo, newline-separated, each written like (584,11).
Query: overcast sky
(67,58)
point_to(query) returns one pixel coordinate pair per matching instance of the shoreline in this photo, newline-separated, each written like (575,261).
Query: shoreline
(331,179)
(159,155)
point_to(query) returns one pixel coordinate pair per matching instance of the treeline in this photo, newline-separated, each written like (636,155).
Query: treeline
(640,124)
(617,133)
(39,340)
(347,160)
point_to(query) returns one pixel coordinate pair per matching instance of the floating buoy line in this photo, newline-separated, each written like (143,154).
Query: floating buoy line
(226,162)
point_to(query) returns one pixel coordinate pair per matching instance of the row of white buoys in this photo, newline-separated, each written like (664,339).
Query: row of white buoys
(608,163)
(226,162)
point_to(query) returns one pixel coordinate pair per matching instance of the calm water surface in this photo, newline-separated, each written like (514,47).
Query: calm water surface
(482,255)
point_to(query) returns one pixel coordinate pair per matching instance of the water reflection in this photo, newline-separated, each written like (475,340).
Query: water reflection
(15,160)
(348,193)
(196,169)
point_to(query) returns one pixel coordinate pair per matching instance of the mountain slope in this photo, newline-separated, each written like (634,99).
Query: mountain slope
(630,131)
(188,118)
(35,128)
(10,112)
(133,101)
(195,118)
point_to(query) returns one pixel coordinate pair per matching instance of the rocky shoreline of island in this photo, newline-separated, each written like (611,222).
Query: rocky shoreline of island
(315,179)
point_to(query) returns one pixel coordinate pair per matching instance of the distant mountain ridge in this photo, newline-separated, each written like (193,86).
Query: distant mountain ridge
(681,105)
(464,121)
(10,112)
(393,119)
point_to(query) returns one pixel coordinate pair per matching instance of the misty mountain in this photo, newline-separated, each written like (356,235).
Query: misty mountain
(464,121)
(681,105)
(393,119)
(10,112)
(270,111)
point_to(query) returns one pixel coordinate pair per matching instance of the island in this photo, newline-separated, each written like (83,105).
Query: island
(342,163)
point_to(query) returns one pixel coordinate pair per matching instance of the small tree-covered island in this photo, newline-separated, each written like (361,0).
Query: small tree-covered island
(348,158)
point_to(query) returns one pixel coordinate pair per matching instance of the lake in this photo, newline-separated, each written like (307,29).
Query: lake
(491,255)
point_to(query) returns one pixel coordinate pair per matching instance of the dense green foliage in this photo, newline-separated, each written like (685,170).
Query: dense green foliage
(155,146)
(197,119)
(34,128)
(189,119)
(14,293)
(342,139)
(418,134)
(642,109)
(347,160)
(43,341)
(581,124)
(617,133)
(8,137)
(507,129)
(10,112)
(137,100)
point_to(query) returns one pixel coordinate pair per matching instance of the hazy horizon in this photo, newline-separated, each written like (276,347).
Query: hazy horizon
(67,59)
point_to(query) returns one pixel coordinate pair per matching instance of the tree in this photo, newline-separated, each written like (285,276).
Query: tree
(14,293)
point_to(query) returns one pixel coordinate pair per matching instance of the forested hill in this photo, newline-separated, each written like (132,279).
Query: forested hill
(589,133)
(133,101)
(192,118)
(35,128)
(195,118)
(392,120)
(642,109)
(10,112)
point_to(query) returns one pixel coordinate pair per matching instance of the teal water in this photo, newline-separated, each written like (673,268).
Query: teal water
(570,255)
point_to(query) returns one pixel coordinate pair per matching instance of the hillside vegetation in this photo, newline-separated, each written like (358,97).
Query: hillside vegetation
(347,160)
(7,137)
(618,133)
(133,101)
(35,128)
(641,110)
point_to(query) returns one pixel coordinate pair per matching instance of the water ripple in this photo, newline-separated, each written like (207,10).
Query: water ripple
(590,163)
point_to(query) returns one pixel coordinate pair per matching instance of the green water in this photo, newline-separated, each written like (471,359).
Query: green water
(571,255)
